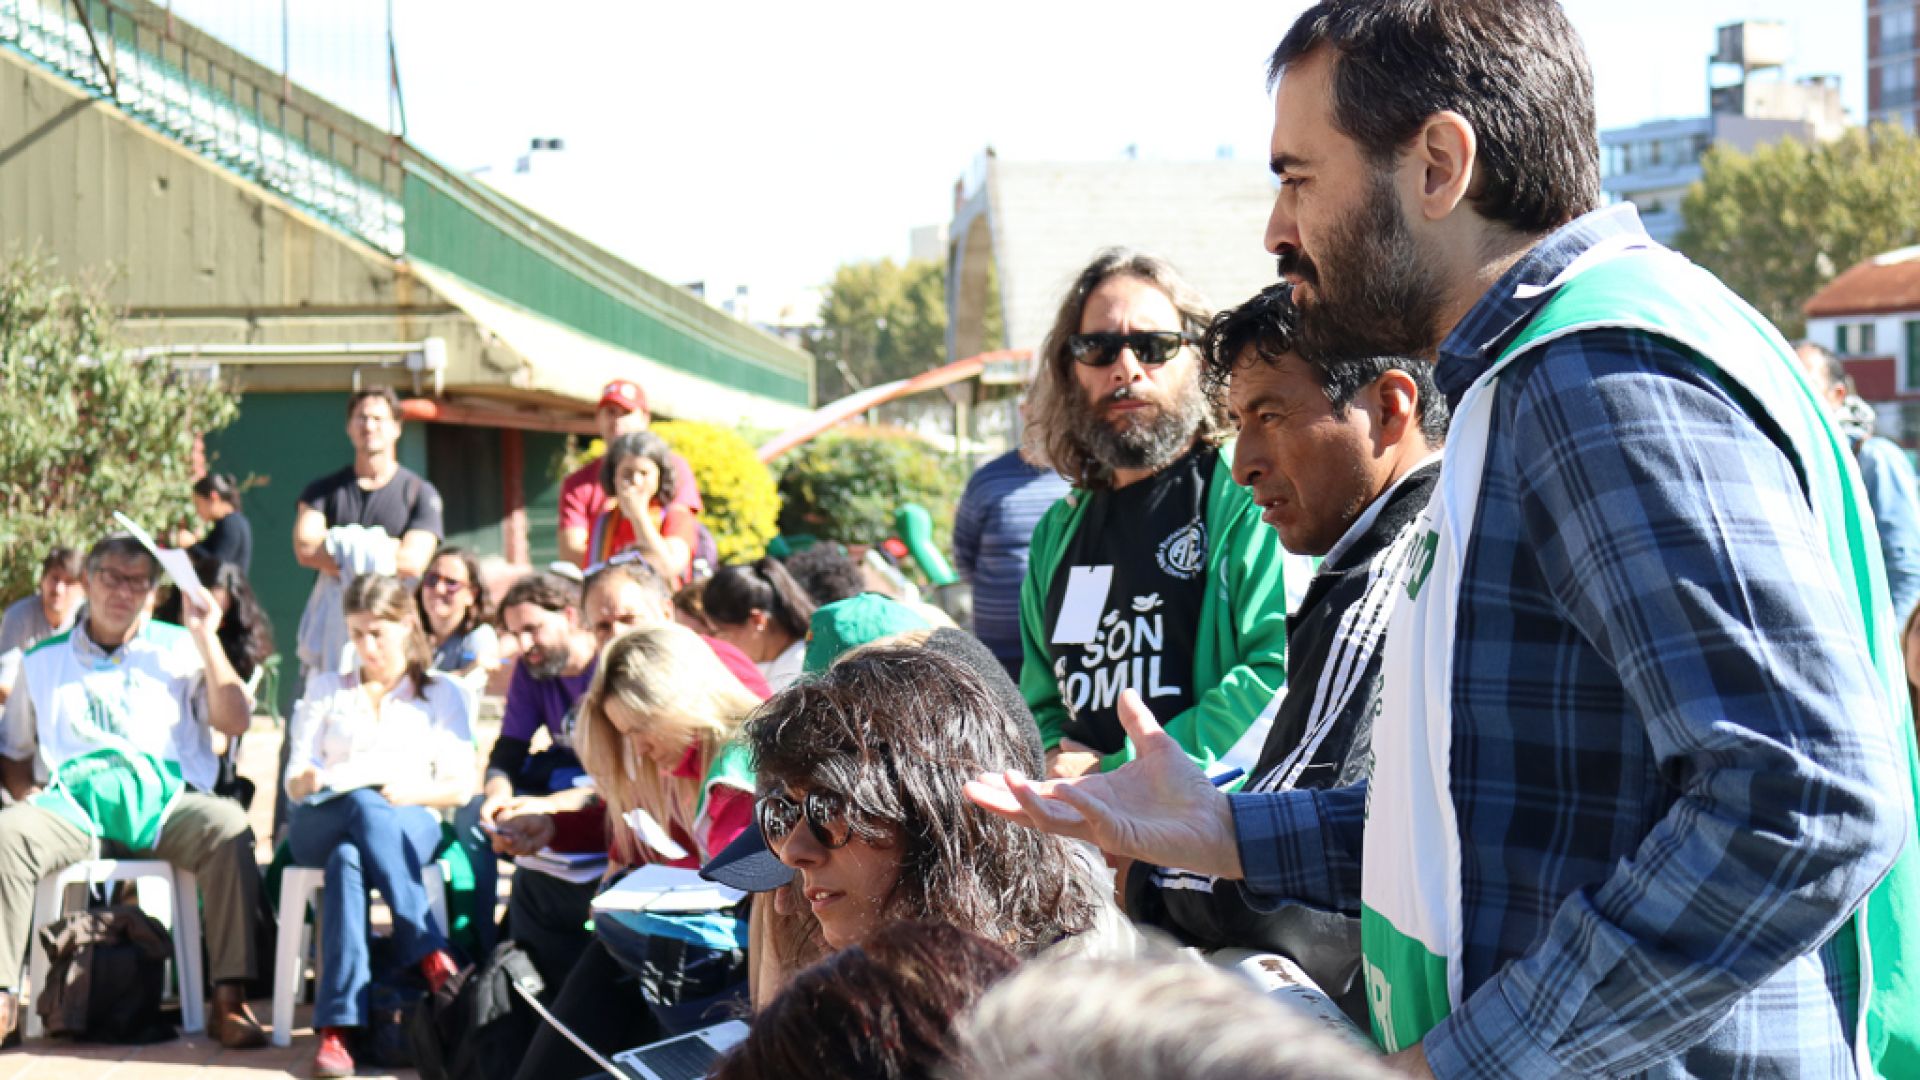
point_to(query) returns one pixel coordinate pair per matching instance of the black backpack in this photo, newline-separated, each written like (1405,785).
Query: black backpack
(476,1027)
(115,959)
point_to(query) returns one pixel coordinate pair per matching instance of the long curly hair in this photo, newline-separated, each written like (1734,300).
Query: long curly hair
(897,732)
(1056,399)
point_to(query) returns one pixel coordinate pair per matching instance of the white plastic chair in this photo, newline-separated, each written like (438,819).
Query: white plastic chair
(299,885)
(183,892)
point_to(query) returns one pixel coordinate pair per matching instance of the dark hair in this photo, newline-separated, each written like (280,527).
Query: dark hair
(1515,69)
(384,393)
(246,634)
(550,591)
(386,598)
(121,546)
(734,593)
(884,1009)
(897,733)
(1055,399)
(640,444)
(1267,326)
(827,572)
(64,559)
(478,611)
(222,485)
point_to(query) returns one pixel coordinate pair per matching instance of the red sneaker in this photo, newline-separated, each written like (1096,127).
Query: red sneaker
(438,967)
(332,1059)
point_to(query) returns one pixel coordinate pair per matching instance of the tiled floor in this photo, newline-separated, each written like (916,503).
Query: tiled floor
(59,1059)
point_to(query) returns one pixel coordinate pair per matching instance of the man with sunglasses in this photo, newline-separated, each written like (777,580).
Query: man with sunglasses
(1155,572)
(122,683)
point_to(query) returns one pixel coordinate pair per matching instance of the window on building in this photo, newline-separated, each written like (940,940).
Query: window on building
(1854,339)
(1896,31)
(1913,355)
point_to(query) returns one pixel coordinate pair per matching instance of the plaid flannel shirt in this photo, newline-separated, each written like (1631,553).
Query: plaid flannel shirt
(1670,759)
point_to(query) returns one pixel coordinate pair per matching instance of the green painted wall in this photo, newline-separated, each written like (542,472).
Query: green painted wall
(542,452)
(287,441)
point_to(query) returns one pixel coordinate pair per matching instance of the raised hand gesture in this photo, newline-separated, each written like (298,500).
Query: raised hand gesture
(1158,808)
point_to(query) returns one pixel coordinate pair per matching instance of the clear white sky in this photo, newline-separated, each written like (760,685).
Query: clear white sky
(767,142)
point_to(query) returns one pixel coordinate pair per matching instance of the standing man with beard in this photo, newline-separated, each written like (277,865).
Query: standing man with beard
(1155,572)
(1643,789)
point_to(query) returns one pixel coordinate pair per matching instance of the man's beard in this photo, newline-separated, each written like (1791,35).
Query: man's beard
(548,666)
(1151,438)
(1379,296)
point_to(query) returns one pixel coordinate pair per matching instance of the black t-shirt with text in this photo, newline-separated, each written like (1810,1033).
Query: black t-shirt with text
(1153,536)
(404,502)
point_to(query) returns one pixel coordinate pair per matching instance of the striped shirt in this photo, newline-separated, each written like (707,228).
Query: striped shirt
(991,532)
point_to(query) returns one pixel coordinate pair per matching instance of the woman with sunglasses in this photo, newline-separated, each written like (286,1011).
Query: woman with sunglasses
(373,754)
(761,610)
(453,609)
(861,773)
(658,732)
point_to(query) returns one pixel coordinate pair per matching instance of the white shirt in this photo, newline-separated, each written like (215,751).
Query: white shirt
(412,737)
(784,670)
(151,693)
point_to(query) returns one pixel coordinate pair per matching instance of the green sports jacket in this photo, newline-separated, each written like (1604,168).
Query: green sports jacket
(1240,657)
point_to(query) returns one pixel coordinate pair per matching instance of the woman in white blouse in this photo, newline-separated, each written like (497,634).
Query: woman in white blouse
(374,753)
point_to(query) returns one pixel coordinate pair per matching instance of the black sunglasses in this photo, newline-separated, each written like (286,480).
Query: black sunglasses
(825,813)
(1153,347)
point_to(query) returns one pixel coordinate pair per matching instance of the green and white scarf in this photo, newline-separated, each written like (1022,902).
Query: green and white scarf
(1411,925)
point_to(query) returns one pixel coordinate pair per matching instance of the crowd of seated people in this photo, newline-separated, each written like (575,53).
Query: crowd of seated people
(1536,712)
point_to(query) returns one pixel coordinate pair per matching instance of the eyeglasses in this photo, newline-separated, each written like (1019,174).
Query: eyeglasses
(1152,347)
(825,813)
(432,580)
(118,582)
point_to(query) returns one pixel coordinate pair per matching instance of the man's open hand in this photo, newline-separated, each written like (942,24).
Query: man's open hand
(1159,808)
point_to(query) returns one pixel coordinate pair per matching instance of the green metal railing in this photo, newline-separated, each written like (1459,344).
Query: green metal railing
(219,111)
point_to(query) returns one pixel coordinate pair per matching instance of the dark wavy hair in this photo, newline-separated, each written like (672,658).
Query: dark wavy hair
(246,634)
(897,733)
(1055,398)
(886,1008)
(1264,329)
(477,612)
(827,572)
(640,444)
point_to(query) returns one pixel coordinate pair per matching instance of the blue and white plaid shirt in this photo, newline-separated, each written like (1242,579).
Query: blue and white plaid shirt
(1669,761)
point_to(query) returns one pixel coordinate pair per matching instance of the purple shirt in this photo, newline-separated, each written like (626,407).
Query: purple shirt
(533,704)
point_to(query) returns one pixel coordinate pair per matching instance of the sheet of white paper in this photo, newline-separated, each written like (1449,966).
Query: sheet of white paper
(1082,605)
(172,560)
(654,835)
(665,888)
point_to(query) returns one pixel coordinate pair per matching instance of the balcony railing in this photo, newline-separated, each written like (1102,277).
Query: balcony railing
(217,111)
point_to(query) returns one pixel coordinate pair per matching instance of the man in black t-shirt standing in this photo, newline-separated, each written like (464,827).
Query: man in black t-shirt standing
(375,491)
(1155,573)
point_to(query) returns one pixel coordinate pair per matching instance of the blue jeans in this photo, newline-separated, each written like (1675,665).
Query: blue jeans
(361,839)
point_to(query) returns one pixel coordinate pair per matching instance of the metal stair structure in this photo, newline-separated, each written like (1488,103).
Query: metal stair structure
(224,115)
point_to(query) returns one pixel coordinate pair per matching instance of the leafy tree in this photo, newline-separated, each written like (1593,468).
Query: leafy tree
(1777,224)
(882,321)
(736,489)
(847,484)
(90,427)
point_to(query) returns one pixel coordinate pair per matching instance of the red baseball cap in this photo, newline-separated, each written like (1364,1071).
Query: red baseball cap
(625,395)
